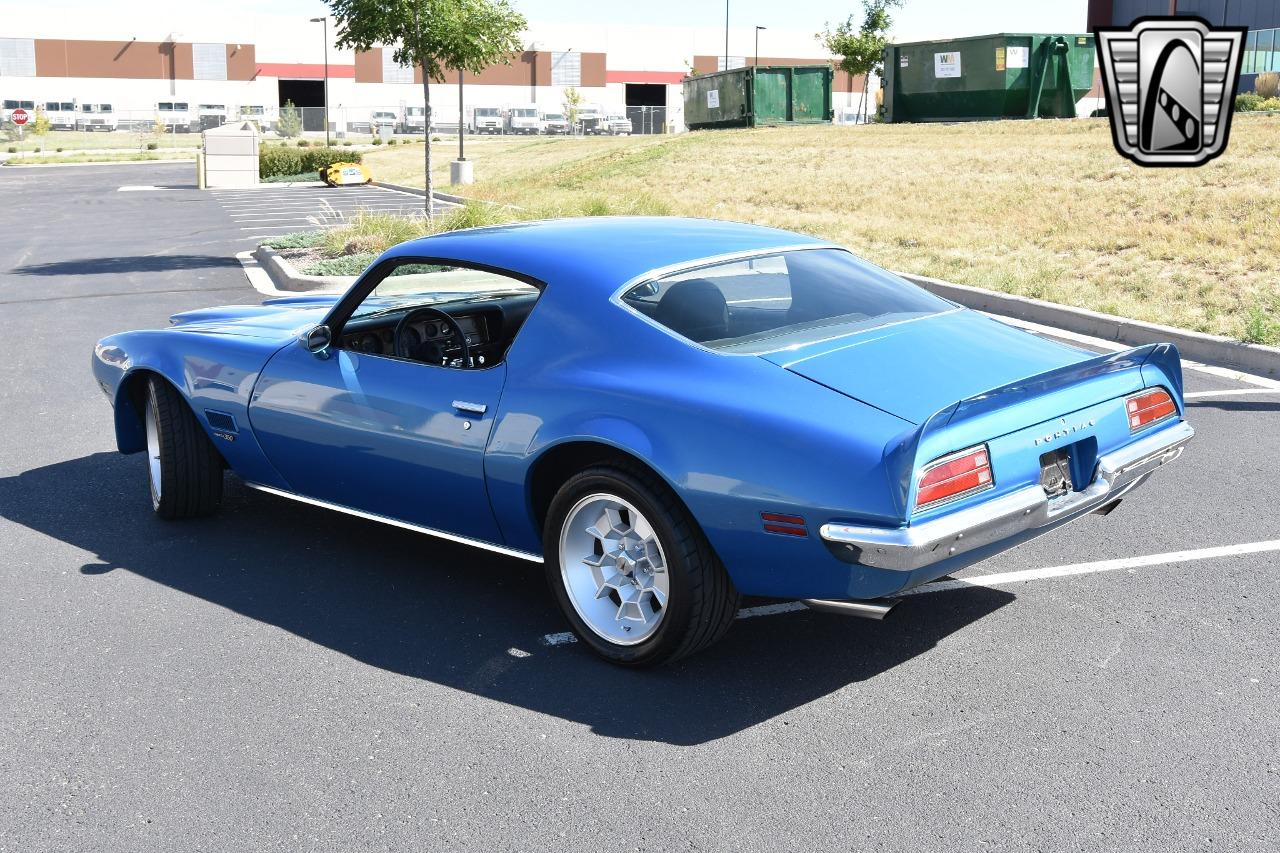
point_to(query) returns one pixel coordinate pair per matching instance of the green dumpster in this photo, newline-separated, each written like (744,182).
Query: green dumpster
(757,96)
(1009,75)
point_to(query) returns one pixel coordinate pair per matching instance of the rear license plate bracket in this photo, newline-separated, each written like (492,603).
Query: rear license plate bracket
(1055,472)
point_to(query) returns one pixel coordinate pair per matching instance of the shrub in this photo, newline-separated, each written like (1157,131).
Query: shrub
(59,150)
(393,141)
(377,140)
(13,149)
(1248,102)
(1270,104)
(317,158)
(1259,328)
(346,143)
(279,161)
(151,146)
(1267,85)
(435,139)
(372,232)
(303,143)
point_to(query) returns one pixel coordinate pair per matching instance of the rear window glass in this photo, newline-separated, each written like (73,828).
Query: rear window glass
(783,300)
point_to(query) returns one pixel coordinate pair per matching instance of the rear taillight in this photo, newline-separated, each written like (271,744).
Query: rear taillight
(954,476)
(1148,408)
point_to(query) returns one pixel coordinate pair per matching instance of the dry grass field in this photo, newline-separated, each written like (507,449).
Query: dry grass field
(1043,209)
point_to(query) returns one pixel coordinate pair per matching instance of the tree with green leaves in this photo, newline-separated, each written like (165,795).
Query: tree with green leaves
(41,126)
(572,106)
(434,36)
(861,47)
(289,124)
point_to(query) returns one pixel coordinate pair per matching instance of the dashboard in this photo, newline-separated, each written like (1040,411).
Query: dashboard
(490,324)
(381,340)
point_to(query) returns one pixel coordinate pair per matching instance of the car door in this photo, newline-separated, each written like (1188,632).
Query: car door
(398,438)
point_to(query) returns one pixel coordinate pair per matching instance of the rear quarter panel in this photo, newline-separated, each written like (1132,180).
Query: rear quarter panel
(732,435)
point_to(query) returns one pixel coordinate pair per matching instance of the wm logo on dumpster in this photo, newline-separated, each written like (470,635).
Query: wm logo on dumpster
(1169,88)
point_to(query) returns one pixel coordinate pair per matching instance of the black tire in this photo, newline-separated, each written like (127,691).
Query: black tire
(190,466)
(703,600)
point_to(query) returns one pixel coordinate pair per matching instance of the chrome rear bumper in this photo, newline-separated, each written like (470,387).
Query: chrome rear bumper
(906,549)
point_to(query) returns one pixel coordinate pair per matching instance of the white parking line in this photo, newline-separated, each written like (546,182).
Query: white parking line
(987,581)
(1229,392)
(1099,566)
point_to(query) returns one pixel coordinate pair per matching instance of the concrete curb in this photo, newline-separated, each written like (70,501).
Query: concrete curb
(1196,346)
(286,277)
(439,196)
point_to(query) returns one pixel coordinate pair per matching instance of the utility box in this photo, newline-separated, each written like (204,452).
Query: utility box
(1008,75)
(759,96)
(231,155)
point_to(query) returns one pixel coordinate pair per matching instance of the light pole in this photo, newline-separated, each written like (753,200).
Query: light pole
(758,29)
(325,21)
(726,35)
(462,120)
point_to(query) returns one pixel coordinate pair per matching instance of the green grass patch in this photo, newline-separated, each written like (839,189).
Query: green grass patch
(46,159)
(344,265)
(296,240)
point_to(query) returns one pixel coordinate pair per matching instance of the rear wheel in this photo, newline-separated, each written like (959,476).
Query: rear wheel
(183,467)
(632,571)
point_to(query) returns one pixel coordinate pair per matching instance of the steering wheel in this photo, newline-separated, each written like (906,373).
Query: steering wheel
(433,352)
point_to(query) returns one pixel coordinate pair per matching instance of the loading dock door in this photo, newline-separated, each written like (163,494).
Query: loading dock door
(647,107)
(308,97)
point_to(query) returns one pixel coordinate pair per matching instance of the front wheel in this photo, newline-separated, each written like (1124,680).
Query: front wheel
(632,571)
(183,467)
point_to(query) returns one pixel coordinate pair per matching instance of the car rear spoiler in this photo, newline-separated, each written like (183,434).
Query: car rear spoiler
(901,453)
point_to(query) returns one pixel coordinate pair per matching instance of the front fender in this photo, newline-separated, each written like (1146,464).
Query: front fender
(215,375)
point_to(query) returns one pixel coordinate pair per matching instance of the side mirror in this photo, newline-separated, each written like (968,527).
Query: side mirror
(317,340)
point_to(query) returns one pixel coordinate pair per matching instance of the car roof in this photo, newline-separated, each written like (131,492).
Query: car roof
(599,253)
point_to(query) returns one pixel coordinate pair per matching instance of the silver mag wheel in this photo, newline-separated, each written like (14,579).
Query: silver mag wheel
(153,454)
(613,569)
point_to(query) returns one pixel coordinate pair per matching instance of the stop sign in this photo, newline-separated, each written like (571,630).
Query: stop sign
(19,116)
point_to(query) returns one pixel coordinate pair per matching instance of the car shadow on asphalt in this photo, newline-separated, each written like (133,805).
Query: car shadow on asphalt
(459,617)
(127,264)
(1228,405)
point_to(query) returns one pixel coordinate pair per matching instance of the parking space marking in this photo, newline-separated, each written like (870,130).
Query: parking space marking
(1099,566)
(566,638)
(1229,392)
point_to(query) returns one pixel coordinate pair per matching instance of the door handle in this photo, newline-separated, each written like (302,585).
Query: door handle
(470,408)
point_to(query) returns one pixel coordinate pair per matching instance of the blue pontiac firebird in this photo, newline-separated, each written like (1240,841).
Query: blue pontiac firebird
(666,412)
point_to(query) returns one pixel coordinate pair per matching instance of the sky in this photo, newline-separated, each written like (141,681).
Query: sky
(917,19)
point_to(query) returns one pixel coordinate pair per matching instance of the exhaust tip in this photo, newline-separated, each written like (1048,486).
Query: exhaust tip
(876,609)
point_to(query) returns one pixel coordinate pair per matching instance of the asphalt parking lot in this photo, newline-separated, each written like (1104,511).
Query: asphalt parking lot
(282,678)
(269,210)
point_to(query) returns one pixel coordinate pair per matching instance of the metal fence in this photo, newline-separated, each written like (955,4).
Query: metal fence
(179,125)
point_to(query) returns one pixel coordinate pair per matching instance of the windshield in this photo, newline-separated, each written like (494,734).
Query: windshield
(780,301)
(525,113)
(553,117)
(416,111)
(426,284)
(486,111)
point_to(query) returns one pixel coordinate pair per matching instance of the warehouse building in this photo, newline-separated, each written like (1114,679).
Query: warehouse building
(1262,17)
(191,73)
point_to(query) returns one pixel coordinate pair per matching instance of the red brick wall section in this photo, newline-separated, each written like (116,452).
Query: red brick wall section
(369,66)
(132,60)
(242,62)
